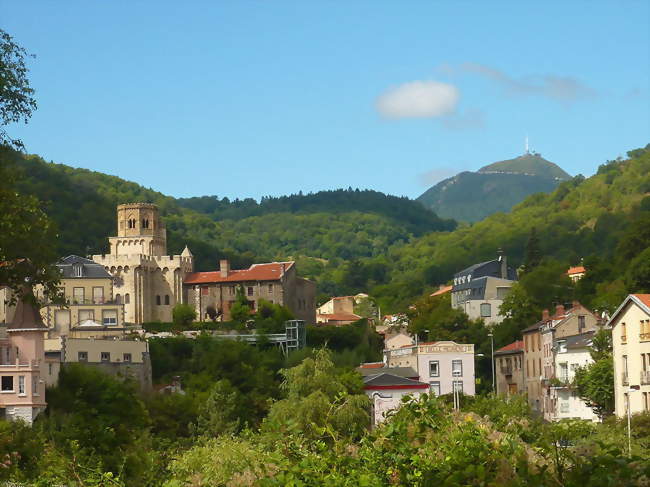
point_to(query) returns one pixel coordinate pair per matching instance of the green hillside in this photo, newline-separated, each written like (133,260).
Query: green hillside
(319,228)
(472,196)
(529,163)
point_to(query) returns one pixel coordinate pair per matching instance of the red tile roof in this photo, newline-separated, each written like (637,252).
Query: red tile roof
(512,347)
(442,290)
(644,298)
(372,365)
(576,270)
(257,272)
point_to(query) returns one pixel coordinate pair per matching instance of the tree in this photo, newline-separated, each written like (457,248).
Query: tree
(533,252)
(595,382)
(220,413)
(16,96)
(183,315)
(240,311)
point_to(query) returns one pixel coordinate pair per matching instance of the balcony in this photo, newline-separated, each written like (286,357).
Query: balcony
(625,379)
(644,337)
(506,370)
(645,377)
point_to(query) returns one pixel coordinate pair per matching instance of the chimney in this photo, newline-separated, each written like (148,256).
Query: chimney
(501,257)
(545,315)
(559,310)
(224,267)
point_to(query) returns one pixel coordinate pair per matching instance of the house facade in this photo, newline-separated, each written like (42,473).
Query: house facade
(509,369)
(22,357)
(147,281)
(571,352)
(387,391)
(337,311)
(533,363)
(214,293)
(445,365)
(630,326)
(480,289)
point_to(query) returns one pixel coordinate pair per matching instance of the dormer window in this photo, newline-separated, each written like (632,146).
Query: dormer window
(77,270)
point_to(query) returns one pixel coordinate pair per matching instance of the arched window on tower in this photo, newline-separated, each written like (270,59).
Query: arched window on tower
(166,298)
(127,298)
(118,299)
(158,299)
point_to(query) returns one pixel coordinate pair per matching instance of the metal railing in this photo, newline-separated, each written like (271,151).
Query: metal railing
(644,337)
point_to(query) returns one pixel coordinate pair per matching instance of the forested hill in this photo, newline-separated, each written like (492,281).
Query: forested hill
(497,187)
(413,215)
(317,229)
(603,220)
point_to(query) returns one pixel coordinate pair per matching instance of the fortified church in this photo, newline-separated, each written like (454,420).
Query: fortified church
(146,280)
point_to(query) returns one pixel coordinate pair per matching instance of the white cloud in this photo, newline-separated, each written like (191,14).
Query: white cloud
(419,99)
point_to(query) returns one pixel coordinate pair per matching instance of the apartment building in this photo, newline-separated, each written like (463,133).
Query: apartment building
(212,294)
(387,391)
(571,352)
(22,389)
(509,369)
(480,289)
(533,362)
(630,325)
(445,365)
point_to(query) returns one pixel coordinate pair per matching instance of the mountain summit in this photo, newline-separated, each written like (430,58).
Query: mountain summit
(472,196)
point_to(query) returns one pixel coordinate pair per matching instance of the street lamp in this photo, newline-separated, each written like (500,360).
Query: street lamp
(491,335)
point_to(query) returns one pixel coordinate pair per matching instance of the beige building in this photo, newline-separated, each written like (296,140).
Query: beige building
(337,311)
(214,293)
(533,363)
(509,369)
(630,325)
(90,308)
(148,282)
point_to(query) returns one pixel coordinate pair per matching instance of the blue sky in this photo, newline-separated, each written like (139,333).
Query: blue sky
(245,99)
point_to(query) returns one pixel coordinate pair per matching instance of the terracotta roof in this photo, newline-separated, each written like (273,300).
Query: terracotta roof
(644,298)
(442,290)
(257,272)
(576,270)
(339,316)
(512,347)
(372,365)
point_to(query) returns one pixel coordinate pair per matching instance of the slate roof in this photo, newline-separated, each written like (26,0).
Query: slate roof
(271,271)
(26,317)
(579,341)
(385,379)
(407,372)
(90,269)
(490,268)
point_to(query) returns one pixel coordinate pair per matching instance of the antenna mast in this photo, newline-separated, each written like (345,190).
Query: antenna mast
(527,151)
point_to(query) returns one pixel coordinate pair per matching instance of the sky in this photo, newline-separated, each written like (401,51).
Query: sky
(255,98)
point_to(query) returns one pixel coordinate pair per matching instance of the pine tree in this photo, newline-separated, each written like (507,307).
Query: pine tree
(533,252)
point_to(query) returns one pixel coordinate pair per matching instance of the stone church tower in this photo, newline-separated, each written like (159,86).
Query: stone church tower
(148,282)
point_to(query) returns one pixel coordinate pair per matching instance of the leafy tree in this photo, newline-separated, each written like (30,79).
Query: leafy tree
(16,95)
(639,272)
(240,311)
(533,251)
(219,414)
(595,385)
(183,315)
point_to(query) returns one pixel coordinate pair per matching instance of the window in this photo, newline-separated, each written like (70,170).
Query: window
(561,346)
(166,298)
(231,290)
(434,388)
(7,383)
(105,356)
(86,314)
(127,298)
(457,368)
(35,380)
(250,290)
(127,357)
(78,295)
(486,310)
(49,369)
(118,299)
(581,323)
(98,295)
(205,290)
(82,356)
(158,298)
(434,368)
(270,288)
(457,386)
(109,317)
(502,292)
(21,384)
(564,406)
(623,333)
(78,270)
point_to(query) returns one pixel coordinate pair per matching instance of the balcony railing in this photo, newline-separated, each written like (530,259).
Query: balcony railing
(625,379)
(644,337)
(506,370)
(645,377)
(21,365)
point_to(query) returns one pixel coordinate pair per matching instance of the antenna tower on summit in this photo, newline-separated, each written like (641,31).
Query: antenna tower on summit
(527,151)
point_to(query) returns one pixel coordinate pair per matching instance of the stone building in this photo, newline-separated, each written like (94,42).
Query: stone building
(148,282)
(480,289)
(509,368)
(22,388)
(277,282)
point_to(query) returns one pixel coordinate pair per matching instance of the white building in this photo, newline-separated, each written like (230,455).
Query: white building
(386,391)
(630,325)
(446,366)
(571,352)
